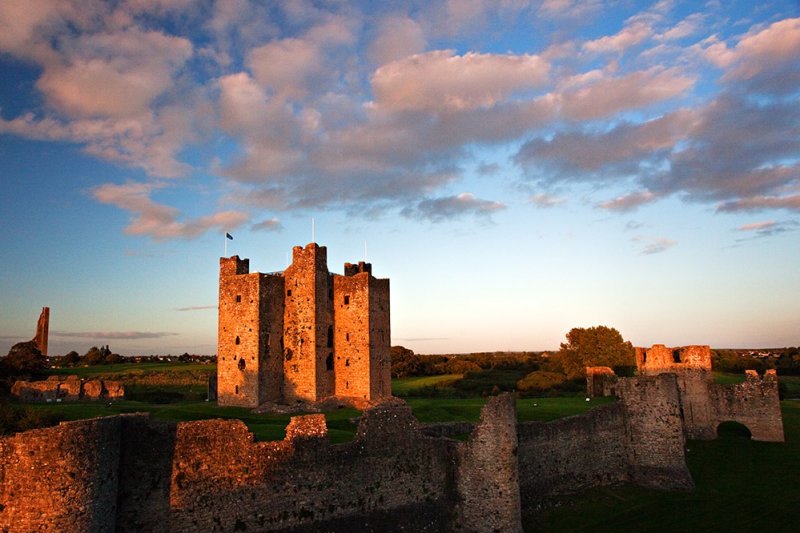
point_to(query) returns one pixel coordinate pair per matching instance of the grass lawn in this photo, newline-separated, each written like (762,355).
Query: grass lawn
(130,369)
(401,387)
(264,426)
(741,485)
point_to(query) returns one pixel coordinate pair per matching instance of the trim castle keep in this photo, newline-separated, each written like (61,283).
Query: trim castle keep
(302,335)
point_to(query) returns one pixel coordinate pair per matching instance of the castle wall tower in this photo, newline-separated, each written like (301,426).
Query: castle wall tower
(362,336)
(247,321)
(308,326)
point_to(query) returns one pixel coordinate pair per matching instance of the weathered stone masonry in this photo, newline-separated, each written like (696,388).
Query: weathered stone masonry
(302,335)
(131,473)
(69,389)
(704,404)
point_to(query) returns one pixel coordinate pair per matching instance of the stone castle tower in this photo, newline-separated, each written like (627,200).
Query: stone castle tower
(302,335)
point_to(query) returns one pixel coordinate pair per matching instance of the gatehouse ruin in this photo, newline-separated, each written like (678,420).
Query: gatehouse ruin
(755,403)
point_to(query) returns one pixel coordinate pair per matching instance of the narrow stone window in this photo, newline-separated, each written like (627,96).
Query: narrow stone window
(289,292)
(329,362)
(238,298)
(644,357)
(676,356)
(347,362)
(237,339)
(241,364)
(330,336)
(237,389)
(347,337)
(346,299)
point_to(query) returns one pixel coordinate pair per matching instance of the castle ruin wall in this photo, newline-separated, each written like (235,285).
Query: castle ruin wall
(132,473)
(654,432)
(62,478)
(71,389)
(705,404)
(572,454)
(754,403)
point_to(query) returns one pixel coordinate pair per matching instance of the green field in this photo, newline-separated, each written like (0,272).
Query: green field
(741,485)
(264,426)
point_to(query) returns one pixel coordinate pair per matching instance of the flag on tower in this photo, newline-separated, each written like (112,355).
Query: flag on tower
(228,235)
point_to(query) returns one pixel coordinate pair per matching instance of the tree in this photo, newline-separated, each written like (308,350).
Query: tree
(24,358)
(595,346)
(93,357)
(71,358)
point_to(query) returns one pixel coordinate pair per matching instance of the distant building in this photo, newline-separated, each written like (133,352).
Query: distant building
(302,335)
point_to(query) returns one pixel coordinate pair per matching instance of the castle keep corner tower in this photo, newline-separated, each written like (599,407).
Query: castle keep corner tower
(302,335)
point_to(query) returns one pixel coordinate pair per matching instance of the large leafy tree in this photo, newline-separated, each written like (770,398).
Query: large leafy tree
(595,346)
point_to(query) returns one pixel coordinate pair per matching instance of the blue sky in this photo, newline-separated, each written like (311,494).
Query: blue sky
(515,168)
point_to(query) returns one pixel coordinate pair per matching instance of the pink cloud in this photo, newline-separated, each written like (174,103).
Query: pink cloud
(629,201)
(443,81)
(629,36)
(766,49)
(397,37)
(114,74)
(756,226)
(159,221)
(607,96)
(286,66)
(755,203)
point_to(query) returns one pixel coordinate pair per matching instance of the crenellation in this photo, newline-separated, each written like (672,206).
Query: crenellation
(305,334)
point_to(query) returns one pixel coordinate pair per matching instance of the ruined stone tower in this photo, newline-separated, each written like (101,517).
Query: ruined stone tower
(302,335)
(42,330)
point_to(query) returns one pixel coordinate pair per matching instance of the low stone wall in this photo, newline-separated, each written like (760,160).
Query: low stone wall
(571,454)
(70,389)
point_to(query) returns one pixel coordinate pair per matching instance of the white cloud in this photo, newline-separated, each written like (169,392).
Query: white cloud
(543,200)
(270,224)
(653,245)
